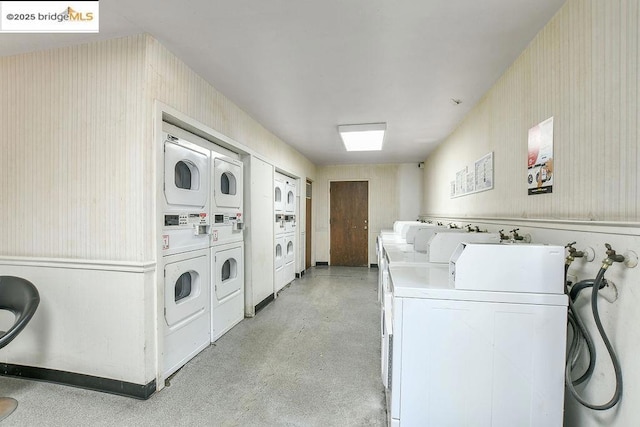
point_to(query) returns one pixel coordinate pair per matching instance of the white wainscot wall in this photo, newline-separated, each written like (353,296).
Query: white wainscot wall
(91,319)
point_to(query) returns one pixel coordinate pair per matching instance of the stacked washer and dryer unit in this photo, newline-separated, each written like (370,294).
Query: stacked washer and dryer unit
(285,230)
(227,242)
(202,247)
(185,251)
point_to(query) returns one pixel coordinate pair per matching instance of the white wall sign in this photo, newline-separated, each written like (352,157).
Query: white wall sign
(540,158)
(474,179)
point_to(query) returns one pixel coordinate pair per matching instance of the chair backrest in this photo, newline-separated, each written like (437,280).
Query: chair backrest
(21,298)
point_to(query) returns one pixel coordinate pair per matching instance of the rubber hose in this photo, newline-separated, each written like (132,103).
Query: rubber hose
(617,394)
(578,287)
(574,350)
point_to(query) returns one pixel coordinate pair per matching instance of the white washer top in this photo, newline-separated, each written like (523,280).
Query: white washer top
(391,238)
(432,282)
(404,254)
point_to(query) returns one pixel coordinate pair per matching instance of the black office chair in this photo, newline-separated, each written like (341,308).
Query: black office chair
(20,297)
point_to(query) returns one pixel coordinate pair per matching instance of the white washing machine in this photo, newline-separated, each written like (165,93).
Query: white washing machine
(279,253)
(227,291)
(495,320)
(186,222)
(187,308)
(226,198)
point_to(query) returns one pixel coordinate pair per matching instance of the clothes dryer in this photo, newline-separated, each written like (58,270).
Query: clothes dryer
(227,292)
(290,199)
(279,193)
(186,222)
(186,308)
(227,220)
(186,172)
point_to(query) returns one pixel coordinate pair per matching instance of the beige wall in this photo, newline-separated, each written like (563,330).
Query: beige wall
(71,152)
(582,68)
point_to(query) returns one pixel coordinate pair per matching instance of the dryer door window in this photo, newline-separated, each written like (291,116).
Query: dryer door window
(228,183)
(289,256)
(229,270)
(229,277)
(185,290)
(290,202)
(185,172)
(182,287)
(278,192)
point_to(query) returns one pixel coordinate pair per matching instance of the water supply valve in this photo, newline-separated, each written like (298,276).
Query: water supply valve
(573,253)
(515,237)
(503,236)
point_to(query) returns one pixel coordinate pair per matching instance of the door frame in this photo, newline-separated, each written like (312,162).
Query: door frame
(368,181)
(309,217)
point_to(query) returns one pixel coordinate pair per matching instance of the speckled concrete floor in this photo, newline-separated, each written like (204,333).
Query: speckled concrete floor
(310,358)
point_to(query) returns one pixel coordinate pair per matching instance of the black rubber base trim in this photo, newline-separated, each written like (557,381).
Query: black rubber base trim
(373,265)
(321,263)
(262,304)
(89,382)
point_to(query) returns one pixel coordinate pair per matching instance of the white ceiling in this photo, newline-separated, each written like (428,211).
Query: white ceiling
(303,67)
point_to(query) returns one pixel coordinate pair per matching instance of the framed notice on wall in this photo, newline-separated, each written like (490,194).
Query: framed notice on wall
(484,173)
(474,179)
(540,158)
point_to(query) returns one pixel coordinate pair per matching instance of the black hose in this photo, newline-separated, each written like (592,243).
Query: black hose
(578,287)
(616,364)
(580,331)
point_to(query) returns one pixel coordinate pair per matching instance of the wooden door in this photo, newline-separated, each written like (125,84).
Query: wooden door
(307,230)
(349,223)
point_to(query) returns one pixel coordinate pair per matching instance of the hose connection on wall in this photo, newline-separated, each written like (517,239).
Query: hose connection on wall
(581,334)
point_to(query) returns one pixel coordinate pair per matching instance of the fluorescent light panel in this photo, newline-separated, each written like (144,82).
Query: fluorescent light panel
(365,137)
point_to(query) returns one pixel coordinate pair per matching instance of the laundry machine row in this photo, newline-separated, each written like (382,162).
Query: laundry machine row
(284,230)
(284,194)
(202,246)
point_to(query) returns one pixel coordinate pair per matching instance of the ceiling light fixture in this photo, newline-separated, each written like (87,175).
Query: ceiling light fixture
(365,137)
